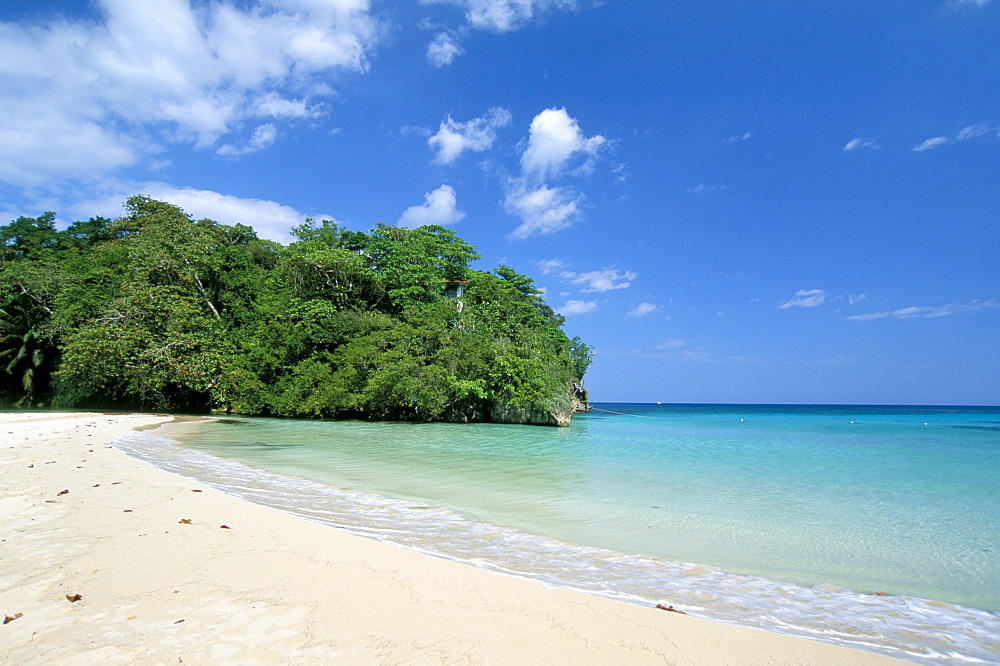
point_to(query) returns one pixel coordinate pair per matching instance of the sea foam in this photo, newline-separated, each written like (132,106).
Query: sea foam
(910,628)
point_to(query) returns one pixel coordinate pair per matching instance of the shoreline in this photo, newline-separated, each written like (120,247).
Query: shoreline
(271,586)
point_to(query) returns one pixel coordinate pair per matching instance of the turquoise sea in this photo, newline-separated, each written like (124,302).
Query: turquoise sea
(870,526)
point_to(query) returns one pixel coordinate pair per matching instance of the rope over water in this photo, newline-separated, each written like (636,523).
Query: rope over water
(608,411)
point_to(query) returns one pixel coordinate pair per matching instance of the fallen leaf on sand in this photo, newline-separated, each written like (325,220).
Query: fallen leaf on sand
(116,483)
(670,608)
(196,491)
(127,511)
(225,527)
(61,492)
(184,521)
(11,618)
(73,597)
(95,485)
(178,621)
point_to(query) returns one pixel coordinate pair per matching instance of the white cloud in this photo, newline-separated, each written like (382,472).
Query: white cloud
(439,207)
(643,309)
(543,210)
(608,279)
(80,98)
(443,50)
(969,132)
(262,138)
(671,343)
(805,298)
(553,138)
(979,129)
(933,142)
(738,138)
(860,142)
(270,105)
(478,134)
(853,299)
(925,312)
(549,266)
(270,219)
(574,307)
(505,15)
(702,188)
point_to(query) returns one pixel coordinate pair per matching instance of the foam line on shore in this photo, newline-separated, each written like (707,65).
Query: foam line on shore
(160,579)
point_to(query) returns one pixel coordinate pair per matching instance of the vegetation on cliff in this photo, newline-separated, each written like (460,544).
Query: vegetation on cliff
(159,311)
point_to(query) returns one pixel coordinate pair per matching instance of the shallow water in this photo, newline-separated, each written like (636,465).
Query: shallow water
(794,515)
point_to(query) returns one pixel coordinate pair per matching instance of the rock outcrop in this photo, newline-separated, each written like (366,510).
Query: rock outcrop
(559,414)
(579,398)
(531,415)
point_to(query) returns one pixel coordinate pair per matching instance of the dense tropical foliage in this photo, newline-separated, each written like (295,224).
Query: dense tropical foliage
(157,310)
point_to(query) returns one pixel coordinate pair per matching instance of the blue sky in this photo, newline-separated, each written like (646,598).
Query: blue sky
(733,202)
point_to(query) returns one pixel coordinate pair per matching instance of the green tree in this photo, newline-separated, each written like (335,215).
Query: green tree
(158,341)
(414,264)
(28,238)
(159,310)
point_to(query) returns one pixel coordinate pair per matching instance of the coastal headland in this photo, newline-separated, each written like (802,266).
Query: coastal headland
(106,559)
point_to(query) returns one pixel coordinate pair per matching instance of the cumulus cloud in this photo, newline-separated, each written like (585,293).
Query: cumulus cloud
(608,279)
(543,210)
(855,298)
(553,138)
(926,312)
(270,219)
(439,207)
(505,15)
(643,309)
(860,142)
(498,16)
(575,307)
(933,142)
(454,138)
(262,138)
(81,98)
(443,50)
(805,298)
(270,105)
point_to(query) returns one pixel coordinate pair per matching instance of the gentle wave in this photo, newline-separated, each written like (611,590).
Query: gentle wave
(904,627)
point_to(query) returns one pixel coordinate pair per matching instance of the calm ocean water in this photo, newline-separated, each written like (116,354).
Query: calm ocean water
(870,526)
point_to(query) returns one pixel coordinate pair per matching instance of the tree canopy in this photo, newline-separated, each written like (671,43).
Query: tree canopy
(156,310)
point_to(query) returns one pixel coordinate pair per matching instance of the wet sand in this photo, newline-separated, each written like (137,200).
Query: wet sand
(168,571)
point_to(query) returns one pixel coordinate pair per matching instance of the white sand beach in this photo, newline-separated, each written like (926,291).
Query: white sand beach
(164,570)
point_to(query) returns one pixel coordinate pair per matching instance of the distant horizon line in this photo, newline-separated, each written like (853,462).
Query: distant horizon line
(795,404)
